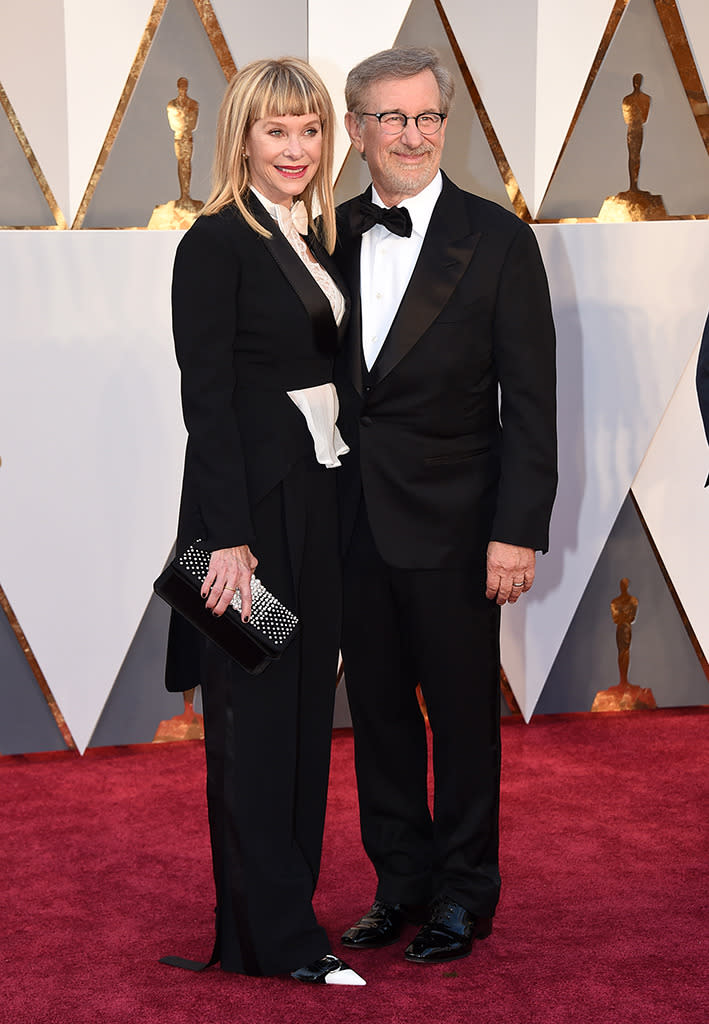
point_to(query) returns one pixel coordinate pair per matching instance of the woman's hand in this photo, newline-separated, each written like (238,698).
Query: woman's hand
(230,569)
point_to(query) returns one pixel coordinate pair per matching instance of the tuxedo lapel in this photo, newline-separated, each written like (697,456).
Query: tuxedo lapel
(442,262)
(326,260)
(349,256)
(301,280)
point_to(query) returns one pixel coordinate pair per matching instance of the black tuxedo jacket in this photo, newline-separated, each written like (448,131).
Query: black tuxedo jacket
(703,381)
(444,469)
(249,323)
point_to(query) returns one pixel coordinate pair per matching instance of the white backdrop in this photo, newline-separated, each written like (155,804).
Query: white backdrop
(91,437)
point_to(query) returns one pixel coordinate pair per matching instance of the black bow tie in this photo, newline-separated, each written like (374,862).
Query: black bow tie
(365,214)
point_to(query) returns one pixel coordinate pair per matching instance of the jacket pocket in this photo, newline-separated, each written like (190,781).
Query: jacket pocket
(448,458)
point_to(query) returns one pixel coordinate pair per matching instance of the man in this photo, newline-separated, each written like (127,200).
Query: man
(443,506)
(703,381)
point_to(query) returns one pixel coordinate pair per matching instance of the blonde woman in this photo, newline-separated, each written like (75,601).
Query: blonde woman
(258,313)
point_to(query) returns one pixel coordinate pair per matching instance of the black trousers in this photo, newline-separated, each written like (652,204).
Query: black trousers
(434,627)
(267,741)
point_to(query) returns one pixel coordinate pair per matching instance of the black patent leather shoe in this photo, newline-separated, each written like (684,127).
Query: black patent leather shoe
(447,935)
(328,970)
(380,926)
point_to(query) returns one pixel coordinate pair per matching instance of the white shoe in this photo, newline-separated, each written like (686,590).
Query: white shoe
(328,970)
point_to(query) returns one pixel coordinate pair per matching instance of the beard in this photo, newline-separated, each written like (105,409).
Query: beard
(409,181)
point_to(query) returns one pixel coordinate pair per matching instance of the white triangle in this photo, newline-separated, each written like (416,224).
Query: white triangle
(467,157)
(568,37)
(89,487)
(263,32)
(695,17)
(339,37)
(101,44)
(498,41)
(33,74)
(674,502)
(629,301)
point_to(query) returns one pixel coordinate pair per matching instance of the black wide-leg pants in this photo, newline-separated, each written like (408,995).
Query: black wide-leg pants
(402,627)
(267,741)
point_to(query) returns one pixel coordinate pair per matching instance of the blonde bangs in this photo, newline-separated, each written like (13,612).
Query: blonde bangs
(285,93)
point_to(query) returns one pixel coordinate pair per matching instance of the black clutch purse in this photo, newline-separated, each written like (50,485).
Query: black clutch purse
(253,644)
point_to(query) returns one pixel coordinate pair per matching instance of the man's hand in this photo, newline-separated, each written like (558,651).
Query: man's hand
(230,569)
(510,571)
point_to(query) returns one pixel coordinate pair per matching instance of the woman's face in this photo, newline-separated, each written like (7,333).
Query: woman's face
(284,155)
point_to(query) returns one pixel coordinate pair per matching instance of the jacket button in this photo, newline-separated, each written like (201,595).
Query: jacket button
(366,421)
(367,388)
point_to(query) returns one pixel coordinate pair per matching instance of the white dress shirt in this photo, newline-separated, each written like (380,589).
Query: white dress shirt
(319,405)
(387,262)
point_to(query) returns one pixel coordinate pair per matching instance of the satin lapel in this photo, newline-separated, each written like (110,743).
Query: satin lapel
(300,279)
(348,259)
(327,261)
(445,255)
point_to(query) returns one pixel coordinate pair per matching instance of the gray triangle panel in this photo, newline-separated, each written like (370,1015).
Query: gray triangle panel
(661,653)
(22,203)
(26,723)
(141,169)
(138,700)
(673,160)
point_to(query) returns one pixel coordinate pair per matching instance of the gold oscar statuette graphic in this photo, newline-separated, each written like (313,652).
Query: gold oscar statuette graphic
(187,726)
(635,204)
(182,115)
(624,696)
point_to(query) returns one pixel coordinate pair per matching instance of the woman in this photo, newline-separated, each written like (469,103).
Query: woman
(257,314)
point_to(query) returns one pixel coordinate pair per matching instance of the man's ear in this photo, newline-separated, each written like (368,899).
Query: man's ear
(354,130)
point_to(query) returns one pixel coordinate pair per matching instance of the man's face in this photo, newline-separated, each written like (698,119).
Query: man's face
(400,165)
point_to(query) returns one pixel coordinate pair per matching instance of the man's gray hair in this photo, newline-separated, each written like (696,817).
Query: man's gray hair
(399,62)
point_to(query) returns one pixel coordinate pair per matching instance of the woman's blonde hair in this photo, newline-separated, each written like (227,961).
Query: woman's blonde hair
(272,88)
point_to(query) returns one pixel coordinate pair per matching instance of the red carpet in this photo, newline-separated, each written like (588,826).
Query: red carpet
(603,916)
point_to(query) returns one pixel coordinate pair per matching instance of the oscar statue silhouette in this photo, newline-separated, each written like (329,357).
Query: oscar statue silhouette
(187,726)
(624,696)
(634,204)
(182,115)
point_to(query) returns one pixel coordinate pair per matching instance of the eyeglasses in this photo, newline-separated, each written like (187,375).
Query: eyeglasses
(392,122)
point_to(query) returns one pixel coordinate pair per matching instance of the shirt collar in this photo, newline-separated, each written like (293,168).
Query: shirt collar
(420,206)
(296,219)
(271,207)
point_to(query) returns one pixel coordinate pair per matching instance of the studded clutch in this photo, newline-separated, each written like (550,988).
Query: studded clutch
(253,644)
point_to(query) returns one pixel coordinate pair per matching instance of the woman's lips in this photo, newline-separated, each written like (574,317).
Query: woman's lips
(291,172)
